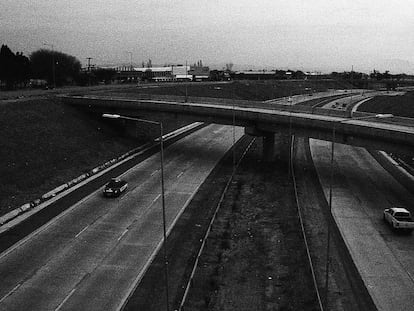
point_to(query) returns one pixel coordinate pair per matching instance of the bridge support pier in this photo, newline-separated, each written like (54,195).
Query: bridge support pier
(268,142)
(268,147)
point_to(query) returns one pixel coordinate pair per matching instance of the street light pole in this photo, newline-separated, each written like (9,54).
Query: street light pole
(163,214)
(186,76)
(290,142)
(377,116)
(234,134)
(117,116)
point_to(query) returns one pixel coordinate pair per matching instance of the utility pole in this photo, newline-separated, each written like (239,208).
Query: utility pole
(89,63)
(186,76)
(89,70)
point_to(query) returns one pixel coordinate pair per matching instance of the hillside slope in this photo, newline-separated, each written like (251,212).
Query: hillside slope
(44,144)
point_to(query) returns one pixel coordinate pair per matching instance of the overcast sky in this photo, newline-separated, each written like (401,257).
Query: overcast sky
(321,35)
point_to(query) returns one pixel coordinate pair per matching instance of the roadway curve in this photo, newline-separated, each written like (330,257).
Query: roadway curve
(362,189)
(91,256)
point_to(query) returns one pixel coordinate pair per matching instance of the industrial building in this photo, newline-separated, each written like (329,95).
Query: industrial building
(196,72)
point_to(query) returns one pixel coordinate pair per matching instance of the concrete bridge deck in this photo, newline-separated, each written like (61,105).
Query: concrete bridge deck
(394,134)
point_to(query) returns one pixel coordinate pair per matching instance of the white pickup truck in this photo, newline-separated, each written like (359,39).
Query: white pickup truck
(399,219)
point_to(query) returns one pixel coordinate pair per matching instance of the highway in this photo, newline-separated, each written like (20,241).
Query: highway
(91,256)
(362,189)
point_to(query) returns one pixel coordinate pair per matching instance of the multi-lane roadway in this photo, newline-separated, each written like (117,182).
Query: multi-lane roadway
(92,256)
(361,190)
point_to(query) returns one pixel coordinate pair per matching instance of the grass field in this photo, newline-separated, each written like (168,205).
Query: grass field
(247,90)
(44,144)
(402,106)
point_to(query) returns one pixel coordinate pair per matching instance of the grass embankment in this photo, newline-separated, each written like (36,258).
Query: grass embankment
(248,90)
(44,144)
(402,106)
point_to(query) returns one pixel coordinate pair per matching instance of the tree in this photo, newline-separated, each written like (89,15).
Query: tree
(56,67)
(14,69)
(298,74)
(6,66)
(104,75)
(23,68)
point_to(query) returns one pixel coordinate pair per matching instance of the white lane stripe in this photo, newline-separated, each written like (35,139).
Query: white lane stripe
(47,225)
(179,175)
(158,196)
(123,233)
(64,300)
(81,231)
(10,292)
(154,172)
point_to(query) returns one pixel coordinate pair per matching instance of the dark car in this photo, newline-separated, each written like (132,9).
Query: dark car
(115,187)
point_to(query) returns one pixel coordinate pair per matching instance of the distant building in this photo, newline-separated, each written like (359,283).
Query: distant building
(220,75)
(163,74)
(199,72)
(181,73)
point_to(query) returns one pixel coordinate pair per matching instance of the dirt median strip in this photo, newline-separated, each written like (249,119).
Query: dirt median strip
(253,255)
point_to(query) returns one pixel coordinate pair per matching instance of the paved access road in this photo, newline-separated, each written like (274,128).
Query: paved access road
(362,189)
(92,255)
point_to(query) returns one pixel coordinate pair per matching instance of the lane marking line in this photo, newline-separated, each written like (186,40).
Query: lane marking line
(82,231)
(10,292)
(123,233)
(156,198)
(64,300)
(154,172)
(179,175)
(47,225)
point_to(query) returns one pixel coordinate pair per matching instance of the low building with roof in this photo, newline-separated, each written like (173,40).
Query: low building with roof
(164,73)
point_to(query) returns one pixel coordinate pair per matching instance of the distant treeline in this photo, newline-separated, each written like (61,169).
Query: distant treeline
(48,68)
(45,68)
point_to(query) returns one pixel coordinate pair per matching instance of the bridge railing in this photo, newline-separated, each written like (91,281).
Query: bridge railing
(280,106)
(242,103)
(303,109)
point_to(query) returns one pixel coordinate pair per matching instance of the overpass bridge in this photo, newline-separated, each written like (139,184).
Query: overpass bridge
(394,134)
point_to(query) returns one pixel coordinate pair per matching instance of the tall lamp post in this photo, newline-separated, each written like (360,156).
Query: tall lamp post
(117,116)
(376,116)
(53,63)
(186,77)
(234,132)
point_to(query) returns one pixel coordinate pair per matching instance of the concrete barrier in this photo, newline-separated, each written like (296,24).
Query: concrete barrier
(10,215)
(53,192)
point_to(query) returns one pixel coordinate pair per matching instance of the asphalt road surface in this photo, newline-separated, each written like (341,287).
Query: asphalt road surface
(91,256)
(362,189)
